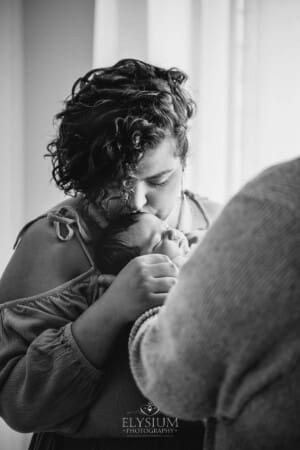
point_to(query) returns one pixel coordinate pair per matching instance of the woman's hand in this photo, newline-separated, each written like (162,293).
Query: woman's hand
(142,284)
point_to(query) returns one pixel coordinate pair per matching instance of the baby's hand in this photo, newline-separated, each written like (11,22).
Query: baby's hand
(195,237)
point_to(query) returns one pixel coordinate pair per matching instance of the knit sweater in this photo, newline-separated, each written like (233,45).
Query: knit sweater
(226,344)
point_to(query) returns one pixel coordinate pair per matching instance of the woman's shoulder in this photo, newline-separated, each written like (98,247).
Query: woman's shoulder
(41,262)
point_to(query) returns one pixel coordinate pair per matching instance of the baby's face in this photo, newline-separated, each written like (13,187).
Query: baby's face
(152,235)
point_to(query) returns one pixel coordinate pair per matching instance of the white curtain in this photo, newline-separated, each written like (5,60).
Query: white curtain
(243,58)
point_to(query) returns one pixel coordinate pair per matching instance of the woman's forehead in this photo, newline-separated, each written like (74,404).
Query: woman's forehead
(160,159)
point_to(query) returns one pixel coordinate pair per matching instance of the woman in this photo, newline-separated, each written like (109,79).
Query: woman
(121,147)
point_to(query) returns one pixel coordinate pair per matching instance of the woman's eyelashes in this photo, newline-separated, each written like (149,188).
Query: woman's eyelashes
(159,181)
(158,184)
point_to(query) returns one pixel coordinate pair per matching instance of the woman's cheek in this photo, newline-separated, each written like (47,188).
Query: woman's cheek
(164,204)
(166,198)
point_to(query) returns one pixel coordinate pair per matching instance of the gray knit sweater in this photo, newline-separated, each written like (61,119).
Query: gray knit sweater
(226,344)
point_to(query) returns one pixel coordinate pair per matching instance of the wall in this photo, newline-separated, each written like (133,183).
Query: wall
(11,125)
(44,46)
(58,48)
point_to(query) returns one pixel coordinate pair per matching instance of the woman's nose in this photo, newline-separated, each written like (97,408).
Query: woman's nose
(138,197)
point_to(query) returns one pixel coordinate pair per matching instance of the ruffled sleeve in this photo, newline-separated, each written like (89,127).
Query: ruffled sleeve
(46,382)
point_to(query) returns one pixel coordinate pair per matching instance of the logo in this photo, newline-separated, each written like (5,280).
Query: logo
(148,421)
(149,409)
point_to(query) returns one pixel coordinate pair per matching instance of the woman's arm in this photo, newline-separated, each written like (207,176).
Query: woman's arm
(50,374)
(143,283)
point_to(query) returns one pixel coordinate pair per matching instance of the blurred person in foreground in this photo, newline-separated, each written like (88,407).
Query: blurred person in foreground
(225,346)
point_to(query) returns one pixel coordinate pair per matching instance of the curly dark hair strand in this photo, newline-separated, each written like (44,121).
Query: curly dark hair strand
(111,118)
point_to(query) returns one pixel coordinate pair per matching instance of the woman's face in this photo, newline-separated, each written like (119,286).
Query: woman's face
(156,183)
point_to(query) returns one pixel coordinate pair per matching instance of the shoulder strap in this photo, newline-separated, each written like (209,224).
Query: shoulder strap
(67,222)
(63,219)
(199,201)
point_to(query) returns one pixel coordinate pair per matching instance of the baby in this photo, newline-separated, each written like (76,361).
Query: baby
(125,238)
(139,234)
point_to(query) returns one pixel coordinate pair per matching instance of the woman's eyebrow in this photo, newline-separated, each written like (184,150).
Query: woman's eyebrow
(151,177)
(157,175)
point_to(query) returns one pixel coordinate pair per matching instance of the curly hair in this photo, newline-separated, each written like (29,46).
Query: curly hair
(111,118)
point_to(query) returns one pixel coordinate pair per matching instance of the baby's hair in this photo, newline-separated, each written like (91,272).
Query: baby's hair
(112,117)
(112,252)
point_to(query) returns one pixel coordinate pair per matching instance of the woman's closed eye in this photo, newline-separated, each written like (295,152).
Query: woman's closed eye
(159,181)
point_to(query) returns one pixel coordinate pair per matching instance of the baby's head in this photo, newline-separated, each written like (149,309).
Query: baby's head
(138,234)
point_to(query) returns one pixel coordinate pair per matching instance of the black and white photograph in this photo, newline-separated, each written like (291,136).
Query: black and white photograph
(150,225)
